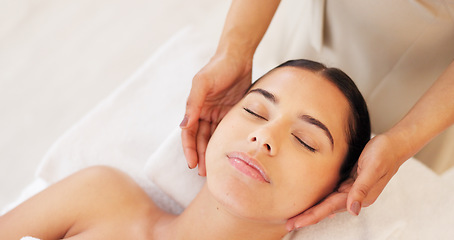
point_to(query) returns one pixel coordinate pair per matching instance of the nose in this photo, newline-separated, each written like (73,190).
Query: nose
(265,140)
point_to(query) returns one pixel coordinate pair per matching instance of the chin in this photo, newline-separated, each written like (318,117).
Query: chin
(240,194)
(243,197)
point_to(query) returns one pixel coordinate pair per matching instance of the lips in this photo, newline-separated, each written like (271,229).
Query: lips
(248,165)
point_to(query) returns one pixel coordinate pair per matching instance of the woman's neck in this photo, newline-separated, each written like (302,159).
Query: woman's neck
(205,218)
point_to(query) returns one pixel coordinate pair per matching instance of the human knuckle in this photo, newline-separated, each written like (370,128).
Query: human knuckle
(363,190)
(313,216)
(201,76)
(372,197)
(332,207)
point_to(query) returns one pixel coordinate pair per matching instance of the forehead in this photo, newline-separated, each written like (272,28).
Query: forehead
(281,77)
(304,92)
(301,83)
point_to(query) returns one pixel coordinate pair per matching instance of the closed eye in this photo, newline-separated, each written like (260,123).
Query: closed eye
(254,114)
(305,144)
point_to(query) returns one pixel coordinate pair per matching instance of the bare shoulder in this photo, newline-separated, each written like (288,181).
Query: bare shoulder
(86,201)
(106,183)
(109,195)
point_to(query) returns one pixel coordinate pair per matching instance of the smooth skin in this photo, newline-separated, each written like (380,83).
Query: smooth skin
(103,203)
(90,204)
(222,82)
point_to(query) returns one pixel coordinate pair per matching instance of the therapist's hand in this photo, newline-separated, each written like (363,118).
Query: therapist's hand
(376,166)
(385,153)
(215,89)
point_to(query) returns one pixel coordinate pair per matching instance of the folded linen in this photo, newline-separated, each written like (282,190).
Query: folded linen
(167,168)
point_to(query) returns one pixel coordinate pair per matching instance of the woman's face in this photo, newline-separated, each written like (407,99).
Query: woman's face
(279,150)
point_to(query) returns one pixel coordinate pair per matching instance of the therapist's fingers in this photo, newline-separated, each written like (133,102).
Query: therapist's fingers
(194,104)
(188,138)
(334,203)
(366,189)
(376,166)
(346,185)
(203,136)
(190,122)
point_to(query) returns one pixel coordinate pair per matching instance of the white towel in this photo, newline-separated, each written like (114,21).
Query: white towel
(128,126)
(168,169)
(29,238)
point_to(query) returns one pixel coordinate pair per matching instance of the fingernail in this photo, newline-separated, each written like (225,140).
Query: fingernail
(189,166)
(185,121)
(355,207)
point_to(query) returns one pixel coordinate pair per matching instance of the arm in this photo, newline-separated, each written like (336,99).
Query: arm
(78,204)
(41,216)
(223,81)
(385,153)
(245,25)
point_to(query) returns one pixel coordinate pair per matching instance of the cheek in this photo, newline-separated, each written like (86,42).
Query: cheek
(226,134)
(304,182)
(318,182)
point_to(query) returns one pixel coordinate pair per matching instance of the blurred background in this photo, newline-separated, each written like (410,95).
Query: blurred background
(58,59)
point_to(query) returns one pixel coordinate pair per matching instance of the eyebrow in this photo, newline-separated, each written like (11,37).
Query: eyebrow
(319,124)
(307,118)
(266,94)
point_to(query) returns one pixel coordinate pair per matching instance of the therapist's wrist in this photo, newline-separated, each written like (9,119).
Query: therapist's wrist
(236,42)
(236,50)
(403,141)
(237,56)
